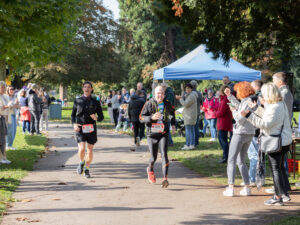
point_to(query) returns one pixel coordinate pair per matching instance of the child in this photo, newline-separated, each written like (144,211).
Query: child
(123,118)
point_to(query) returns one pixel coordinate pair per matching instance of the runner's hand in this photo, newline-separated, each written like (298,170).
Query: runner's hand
(156,116)
(93,116)
(77,127)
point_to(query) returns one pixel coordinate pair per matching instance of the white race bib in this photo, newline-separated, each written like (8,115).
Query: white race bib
(87,128)
(157,127)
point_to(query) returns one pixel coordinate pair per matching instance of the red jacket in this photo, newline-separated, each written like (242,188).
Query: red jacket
(213,103)
(224,115)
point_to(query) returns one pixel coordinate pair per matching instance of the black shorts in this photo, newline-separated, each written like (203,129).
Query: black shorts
(90,138)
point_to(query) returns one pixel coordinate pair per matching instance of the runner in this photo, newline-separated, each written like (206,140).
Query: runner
(84,122)
(155,114)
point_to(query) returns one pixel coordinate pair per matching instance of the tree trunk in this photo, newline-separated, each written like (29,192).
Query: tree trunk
(2,70)
(62,92)
(170,37)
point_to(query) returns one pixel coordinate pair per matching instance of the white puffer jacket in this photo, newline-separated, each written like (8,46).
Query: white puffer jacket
(271,121)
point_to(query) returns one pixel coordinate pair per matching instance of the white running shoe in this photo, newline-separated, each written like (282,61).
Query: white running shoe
(246,191)
(5,161)
(12,148)
(252,184)
(270,190)
(191,147)
(229,192)
(185,147)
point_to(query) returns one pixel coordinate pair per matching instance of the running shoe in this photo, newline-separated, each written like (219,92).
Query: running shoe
(138,141)
(151,176)
(5,161)
(191,147)
(165,183)
(252,184)
(185,147)
(80,168)
(87,173)
(228,192)
(270,190)
(274,201)
(246,191)
(286,198)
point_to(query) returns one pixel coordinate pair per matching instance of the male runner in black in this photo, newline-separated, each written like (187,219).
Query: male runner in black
(156,114)
(84,120)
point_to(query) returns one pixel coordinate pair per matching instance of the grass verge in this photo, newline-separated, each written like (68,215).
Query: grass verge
(28,150)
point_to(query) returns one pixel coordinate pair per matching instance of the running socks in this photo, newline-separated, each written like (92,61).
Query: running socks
(87,166)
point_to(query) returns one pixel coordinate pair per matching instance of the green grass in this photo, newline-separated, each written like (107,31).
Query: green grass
(29,149)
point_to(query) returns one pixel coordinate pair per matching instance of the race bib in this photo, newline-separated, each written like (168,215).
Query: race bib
(87,128)
(157,128)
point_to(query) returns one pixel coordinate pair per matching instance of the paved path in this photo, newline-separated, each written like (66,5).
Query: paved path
(118,192)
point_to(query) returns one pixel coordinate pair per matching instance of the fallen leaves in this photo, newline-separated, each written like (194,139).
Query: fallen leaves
(56,199)
(27,200)
(62,183)
(28,220)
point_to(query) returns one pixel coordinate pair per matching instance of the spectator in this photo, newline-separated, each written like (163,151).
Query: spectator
(243,132)
(140,87)
(12,120)
(272,121)
(124,96)
(189,115)
(199,103)
(25,114)
(45,109)
(4,101)
(170,97)
(134,109)
(131,92)
(224,123)
(34,104)
(123,118)
(109,107)
(115,101)
(227,82)
(210,107)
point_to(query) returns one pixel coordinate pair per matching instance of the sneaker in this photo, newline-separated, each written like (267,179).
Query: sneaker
(151,176)
(212,139)
(80,168)
(223,161)
(165,183)
(138,143)
(5,161)
(274,201)
(87,173)
(245,191)
(12,148)
(228,192)
(185,147)
(270,190)
(286,198)
(191,147)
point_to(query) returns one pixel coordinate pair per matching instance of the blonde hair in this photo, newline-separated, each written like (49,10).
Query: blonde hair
(271,93)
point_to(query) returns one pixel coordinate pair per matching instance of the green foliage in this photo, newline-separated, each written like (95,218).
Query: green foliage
(249,29)
(36,30)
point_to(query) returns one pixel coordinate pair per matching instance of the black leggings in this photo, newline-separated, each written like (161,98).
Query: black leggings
(116,115)
(281,181)
(35,122)
(159,142)
(137,130)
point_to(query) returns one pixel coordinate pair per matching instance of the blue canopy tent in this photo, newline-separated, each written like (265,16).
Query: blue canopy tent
(200,65)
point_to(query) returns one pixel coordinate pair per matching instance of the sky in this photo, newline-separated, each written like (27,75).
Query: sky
(113,5)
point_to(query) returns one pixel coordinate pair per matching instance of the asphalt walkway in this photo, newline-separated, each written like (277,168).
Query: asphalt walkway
(118,192)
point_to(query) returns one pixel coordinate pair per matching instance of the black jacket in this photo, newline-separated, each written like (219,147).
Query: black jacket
(82,109)
(150,108)
(135,107)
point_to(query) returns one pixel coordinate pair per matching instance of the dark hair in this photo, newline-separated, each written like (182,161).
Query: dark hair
(139,92)
(222,88)
(283,76)
(23,93)
(258,83)
(88,82)
(189,86)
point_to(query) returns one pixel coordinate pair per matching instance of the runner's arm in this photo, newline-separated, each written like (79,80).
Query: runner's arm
(99,111)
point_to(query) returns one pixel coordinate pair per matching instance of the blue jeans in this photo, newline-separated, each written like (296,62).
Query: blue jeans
(223,140)
(170,137)
(190,135)
(205,126)
(253,157)
(11,131)
(26,126)
(197,131)
(212,125)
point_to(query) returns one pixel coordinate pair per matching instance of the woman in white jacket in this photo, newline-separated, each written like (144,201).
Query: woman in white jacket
(270,120)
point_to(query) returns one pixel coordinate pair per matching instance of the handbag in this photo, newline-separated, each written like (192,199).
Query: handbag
(271,143)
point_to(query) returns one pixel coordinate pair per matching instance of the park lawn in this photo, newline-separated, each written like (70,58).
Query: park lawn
(29,149)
